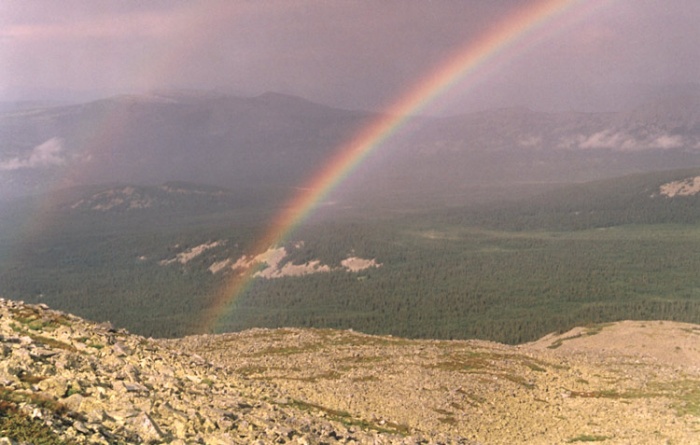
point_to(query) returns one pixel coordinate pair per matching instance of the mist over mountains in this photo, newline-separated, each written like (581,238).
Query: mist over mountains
(472,217)
(265,146)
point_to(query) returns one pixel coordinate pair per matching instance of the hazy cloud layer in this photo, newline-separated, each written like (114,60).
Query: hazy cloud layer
(352,53)
(44,155)
(622,141)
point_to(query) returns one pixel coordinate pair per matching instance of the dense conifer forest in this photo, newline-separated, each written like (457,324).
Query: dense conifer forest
(511,272)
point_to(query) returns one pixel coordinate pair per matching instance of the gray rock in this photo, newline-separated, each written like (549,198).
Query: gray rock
(81,428)
(146,428)
(73,402)
(43,353)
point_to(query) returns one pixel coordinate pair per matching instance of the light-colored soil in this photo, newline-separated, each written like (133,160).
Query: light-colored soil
(685,187)
(622,383)
(192,253)
(354,264)
(276,265)
(667,343)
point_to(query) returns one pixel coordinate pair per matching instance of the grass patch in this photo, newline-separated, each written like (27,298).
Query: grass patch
(588,438)
(604,394)
(474,399)
(30,330)
(520,380)
(468,362)
(347,419)
(449,420)
(20,427)
(52,343)
(688,404)
(589,330)
(330,375)
(38,320)
(685,395)
(534,366)
(366,378)
(72,391)
(447,416)
(616,395)
(27,377)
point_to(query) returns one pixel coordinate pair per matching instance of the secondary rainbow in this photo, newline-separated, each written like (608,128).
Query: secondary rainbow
(514,33)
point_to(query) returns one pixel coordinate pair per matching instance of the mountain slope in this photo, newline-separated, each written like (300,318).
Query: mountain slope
(270,140)
(278,141)
(470,158)
(68,381)
(664,197)
(508,272)
(618,383)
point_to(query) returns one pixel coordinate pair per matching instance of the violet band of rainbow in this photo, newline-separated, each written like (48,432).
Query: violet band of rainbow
(532,23)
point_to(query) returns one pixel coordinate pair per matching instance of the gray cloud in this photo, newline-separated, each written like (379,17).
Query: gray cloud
(352,53)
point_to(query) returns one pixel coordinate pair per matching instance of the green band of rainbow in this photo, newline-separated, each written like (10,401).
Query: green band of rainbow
(464,64)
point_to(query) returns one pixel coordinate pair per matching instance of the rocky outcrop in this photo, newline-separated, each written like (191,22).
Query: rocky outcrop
(622,383)
(64,380)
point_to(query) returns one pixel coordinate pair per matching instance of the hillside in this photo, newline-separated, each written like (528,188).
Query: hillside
(662,197)
(152,259)
(66,380)
(276,141)
(249,143)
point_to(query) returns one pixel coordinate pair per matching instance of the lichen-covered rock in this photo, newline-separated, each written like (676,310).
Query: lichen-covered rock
(73,382)
(628,382)
(93,384)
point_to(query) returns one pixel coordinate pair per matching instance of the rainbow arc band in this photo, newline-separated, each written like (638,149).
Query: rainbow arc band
(513,35)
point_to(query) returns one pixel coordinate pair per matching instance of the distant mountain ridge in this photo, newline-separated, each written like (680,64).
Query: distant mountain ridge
(235,142)
(172,194)
(277,141)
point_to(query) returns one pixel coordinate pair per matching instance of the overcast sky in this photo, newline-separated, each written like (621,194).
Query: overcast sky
(356,54)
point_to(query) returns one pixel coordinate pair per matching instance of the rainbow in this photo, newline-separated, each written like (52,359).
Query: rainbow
(513,35)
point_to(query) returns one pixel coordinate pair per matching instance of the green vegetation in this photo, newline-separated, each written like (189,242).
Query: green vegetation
(685,395)
(509,272)
(588,438)
(347,419)
(463,282)
(19,426)
(36,320)
(590,330)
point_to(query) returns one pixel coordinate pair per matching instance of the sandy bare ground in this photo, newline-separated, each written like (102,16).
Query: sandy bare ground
(685,187)
(623,383)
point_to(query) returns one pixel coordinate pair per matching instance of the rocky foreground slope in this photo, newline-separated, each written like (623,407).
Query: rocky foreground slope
(65,380)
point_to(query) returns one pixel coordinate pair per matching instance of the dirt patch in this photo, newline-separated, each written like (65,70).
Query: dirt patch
(684,187)
(663,341)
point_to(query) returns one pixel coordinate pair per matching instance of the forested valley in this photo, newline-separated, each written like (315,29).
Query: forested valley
(510,272)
